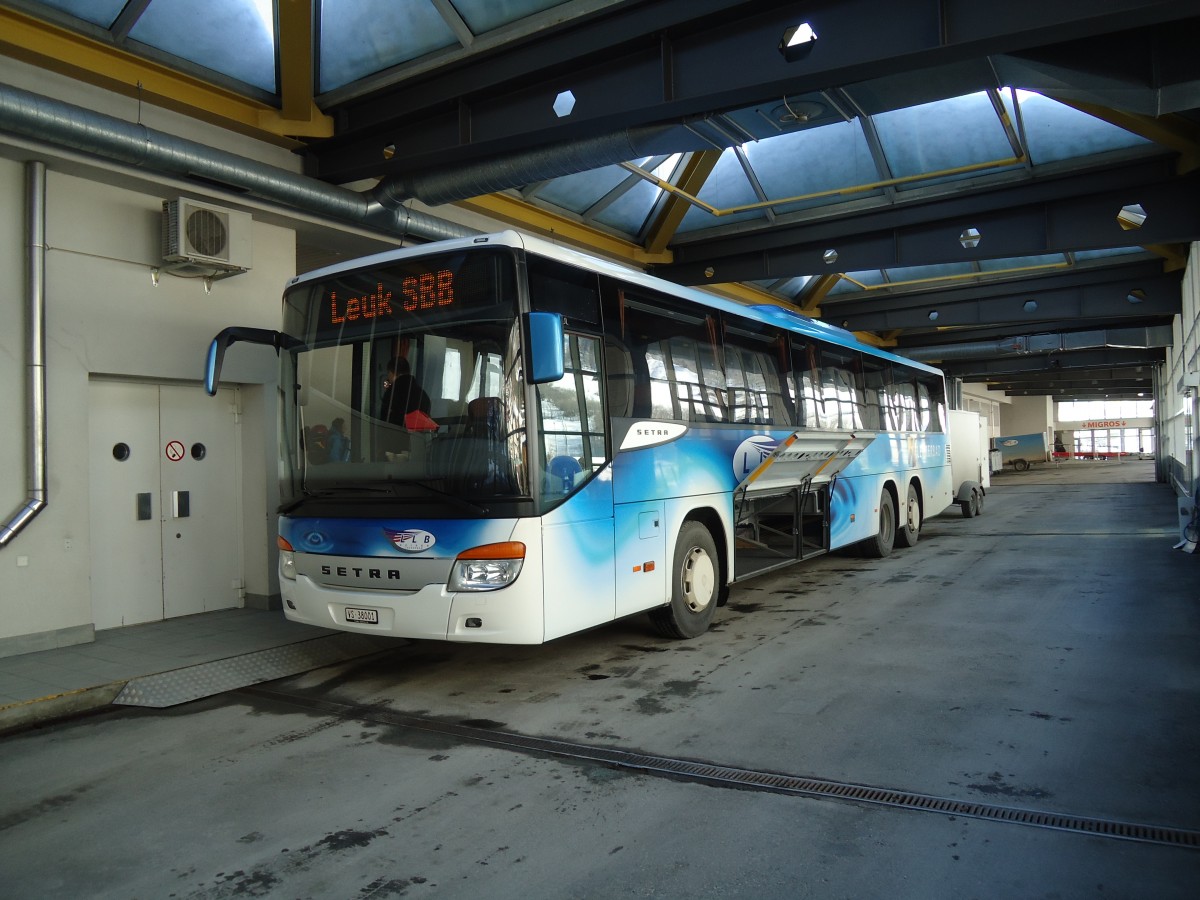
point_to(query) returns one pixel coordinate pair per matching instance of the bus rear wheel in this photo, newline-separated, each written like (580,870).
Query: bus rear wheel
(909,530)
(695,585)
(881,545)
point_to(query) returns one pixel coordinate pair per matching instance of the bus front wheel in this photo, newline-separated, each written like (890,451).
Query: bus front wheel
(695,585)
(910,519)
(881,545)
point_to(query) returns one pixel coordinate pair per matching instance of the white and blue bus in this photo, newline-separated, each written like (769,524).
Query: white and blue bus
(587,442)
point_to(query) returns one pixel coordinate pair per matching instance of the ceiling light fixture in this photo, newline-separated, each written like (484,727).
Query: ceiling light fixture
(1030,306)
(1137,295)
(933,314)
(797,42)
(970,238)
(829,257)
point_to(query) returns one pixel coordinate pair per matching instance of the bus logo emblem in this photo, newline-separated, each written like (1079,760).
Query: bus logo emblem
(751,453)
(411,541)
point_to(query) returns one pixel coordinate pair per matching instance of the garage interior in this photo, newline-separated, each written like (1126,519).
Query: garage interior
(1011,195)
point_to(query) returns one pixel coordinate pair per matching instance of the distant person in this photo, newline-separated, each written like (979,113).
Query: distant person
(339,443)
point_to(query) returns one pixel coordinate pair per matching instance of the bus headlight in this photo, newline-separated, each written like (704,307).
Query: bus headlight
(487,568)
(287,559)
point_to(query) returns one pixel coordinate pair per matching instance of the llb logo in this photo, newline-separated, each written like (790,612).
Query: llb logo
(411,541)
(751,453)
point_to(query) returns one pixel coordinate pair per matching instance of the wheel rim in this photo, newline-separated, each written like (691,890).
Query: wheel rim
(698,578)
(913,513)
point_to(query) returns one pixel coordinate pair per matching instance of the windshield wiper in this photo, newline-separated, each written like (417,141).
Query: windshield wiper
(453,498)
(337,490)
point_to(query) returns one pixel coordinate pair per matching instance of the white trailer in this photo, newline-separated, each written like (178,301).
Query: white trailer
(970,460)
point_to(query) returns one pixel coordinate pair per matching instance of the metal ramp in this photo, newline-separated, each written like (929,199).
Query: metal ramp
(207,679)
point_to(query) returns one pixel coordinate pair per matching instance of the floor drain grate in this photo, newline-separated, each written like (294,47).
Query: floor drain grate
(727,776)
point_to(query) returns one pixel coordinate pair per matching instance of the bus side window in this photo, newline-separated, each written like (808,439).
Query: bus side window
(573,431)
(875,379)
(754,382)
(809,405)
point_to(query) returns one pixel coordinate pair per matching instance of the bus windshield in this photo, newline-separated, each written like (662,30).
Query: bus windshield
(406,382)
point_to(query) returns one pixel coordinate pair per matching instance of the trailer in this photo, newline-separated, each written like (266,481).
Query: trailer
(970,460)
(1022,450)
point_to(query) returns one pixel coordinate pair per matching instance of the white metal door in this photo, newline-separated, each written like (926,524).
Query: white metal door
(201,488)
(126,531)
(165,517)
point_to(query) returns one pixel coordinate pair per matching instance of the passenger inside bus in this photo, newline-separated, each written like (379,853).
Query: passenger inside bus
(402,394)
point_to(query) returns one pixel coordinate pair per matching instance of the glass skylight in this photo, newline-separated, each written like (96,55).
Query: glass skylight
(361,38)
(228,36)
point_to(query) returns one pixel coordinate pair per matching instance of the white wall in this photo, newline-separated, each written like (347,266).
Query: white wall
(1028,415)
(105,316)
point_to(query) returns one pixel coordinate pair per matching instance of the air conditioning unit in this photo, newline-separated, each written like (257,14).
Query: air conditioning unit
(200,239)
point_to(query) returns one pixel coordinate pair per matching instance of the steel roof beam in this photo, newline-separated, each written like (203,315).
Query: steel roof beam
(1058,226)
(1006,191)
(1106,358)
(1126,275)
(1160,297)
(651,62)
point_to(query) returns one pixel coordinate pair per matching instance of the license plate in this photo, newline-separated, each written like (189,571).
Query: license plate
(367,616)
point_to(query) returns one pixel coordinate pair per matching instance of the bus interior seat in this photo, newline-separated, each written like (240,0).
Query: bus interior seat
(483,417)
(560,474)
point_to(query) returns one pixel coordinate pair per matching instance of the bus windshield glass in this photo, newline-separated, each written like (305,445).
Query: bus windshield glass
(405,383)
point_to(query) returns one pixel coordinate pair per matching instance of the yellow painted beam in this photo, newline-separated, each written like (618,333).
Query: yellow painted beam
(814,292)
(548,224)
(295,58)
(1172,131)
(749,294)
(695,173)
(1175,256)
(93,62)
(874,340)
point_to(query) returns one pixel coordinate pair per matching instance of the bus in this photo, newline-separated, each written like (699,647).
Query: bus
(585,442)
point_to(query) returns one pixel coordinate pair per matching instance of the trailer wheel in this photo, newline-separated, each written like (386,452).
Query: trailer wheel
(970,506)
(881,545)
(695,585)
(979,502)
(1021,465)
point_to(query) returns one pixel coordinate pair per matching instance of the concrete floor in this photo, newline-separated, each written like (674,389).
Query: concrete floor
(1042,656)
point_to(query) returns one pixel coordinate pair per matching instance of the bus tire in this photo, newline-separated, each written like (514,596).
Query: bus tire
(908,530)
(695,585)
(881,544)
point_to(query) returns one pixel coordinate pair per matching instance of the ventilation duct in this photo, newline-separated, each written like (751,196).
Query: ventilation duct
(62,124)
(65,125)
(35,225)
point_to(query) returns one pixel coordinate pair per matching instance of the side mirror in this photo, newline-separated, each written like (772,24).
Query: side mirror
(545,347)
(216,350)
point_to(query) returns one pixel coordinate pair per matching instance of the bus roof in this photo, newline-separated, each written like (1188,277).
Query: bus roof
(766,313)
